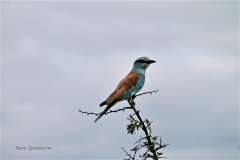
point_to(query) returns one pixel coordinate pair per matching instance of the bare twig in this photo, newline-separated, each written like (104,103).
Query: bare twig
(143,146)
(88,112)
(137,149)
(128,154)
(161,146)
(142,138)
(147,93)
(135,113)
(122,109)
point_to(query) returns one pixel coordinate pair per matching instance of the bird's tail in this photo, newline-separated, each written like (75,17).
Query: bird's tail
(106,109)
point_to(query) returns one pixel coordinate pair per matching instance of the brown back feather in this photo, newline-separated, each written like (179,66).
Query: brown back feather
(124,85)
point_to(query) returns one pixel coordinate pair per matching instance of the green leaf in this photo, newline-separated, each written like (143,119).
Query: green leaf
(150,129)
(145,153)
(131,128)
(159,153)
(135,148)
(149,156)
(150,147)
(155,138)
(157,143)
(131,117)
(147,121)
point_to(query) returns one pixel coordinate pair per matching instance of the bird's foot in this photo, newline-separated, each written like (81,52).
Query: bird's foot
(133,97)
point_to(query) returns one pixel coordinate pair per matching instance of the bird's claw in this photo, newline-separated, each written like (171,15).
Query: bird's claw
(133,97)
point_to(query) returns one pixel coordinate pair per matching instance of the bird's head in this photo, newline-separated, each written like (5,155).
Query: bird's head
(142,63)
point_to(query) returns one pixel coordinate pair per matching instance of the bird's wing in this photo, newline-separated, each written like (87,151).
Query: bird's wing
(124,86)
(129,85)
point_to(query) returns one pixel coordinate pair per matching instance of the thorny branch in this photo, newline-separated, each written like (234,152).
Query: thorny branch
(137,147)
(132,103)
(143,138)
(122,109)
(147,93)
(161,146)
(128,154)
(135,151)
(151,141)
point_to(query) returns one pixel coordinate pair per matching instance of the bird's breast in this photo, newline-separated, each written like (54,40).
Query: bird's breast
(141,80)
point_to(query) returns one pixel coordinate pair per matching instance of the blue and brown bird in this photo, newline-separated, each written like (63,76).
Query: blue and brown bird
(129,85)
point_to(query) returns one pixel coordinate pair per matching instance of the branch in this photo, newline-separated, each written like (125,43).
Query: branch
(132,103)
(122,109)
(135,113)
(149,124)
(128,154)
(142,146)
(142,138)
(160,146)
(147,93)
(137,149)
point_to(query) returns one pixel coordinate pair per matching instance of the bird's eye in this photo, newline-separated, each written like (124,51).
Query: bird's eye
(140,61)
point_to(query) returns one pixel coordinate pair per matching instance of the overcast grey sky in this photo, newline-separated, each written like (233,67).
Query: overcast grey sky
(61,56)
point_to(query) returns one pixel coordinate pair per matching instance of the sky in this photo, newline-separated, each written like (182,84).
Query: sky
(61,56)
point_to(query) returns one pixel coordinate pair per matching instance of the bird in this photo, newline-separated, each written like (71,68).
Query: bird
(129,85)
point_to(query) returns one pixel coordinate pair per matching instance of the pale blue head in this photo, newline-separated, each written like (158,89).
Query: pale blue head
(141,64)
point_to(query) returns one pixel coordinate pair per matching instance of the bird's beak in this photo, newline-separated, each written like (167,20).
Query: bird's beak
(151,61)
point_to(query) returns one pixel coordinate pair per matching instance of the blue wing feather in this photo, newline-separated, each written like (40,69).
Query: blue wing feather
(135,88)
